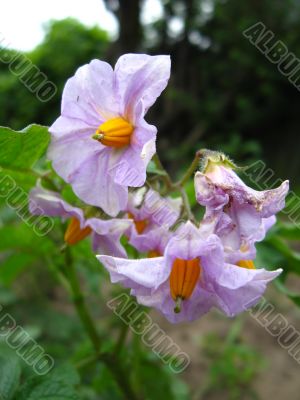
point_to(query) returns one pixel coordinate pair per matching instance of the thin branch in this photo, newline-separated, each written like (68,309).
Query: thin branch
(192,168)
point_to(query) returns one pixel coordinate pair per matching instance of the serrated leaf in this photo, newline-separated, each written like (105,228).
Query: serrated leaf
(10,372)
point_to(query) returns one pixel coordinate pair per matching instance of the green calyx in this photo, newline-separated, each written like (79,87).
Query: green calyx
(209,159)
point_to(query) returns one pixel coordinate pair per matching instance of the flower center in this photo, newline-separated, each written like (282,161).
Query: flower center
(115,132)
(74,233)
(249,264)
(153,254)
(140,225)
(183,279)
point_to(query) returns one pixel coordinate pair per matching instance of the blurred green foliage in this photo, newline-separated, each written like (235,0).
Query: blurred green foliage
(233,366)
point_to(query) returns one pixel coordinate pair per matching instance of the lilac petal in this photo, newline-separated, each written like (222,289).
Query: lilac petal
(68,154)
(154,239)
(90,94)
(101,87)
(136,274)
(267,224)
(110,226)
(266,202)
(248,228)
(130,163)
(130,170)
(46,202)
(143,131)
(107,234)
(239,288)
(148,151)
(157,210)
(72,129)
(163,211)
(246,251)
(76,101)
(93,184)
(108,245)
(199,304)
(188,243)
(140,77)
(208,194)
(234,277)
(273,200)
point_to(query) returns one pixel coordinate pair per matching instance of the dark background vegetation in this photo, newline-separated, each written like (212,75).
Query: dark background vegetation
(223,94)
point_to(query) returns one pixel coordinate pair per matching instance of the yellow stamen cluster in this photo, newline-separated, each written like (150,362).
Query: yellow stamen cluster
(153,254)
(115,132)
(74,233)
(140,225)
(249,264)
(183,279)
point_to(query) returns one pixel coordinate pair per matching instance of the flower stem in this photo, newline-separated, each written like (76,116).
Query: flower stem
(179,186)
(190,170)
(122,338)
(186,205)
(80,304)
(121,375)
(166,177)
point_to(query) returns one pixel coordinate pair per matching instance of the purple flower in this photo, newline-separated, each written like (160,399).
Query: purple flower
(239,215)
(190,278)
(105,233)
(101,143)
(153,215)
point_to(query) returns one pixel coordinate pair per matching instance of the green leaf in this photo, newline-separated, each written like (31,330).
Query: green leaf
(66,373)
(20,150)
(291,258)
(23,238)
(295,297)
(56,385)
(288,231)
(10,372)
(47,390)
